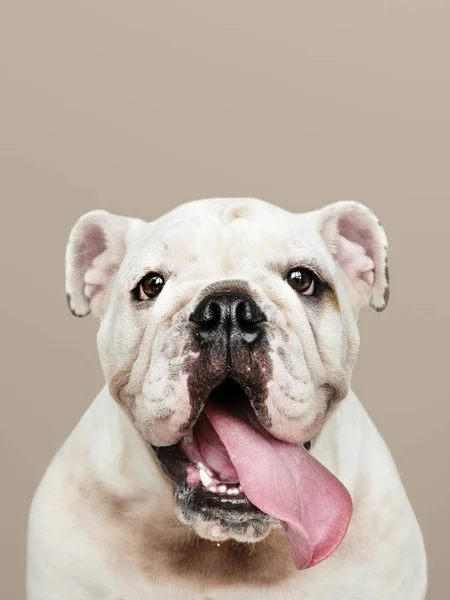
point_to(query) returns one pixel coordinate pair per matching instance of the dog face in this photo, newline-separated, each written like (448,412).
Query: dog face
(226,301)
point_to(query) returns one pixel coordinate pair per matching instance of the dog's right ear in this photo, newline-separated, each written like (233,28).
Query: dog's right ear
(96,247)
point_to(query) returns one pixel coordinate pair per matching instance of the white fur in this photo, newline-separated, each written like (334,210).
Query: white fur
(72,549)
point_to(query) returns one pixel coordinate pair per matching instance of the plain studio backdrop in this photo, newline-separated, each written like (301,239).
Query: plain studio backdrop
(139,106)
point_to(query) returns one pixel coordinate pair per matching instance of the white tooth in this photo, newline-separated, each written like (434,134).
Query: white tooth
(230,492)
(202,466)
(187,439)
(222,489)
(234,491)
(212,489)
(240,489)
(205,478)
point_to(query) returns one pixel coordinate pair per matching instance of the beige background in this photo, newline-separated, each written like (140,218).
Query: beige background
(138,106)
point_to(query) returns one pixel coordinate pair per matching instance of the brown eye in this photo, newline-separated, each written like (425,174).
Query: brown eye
(150,286)
(302,281)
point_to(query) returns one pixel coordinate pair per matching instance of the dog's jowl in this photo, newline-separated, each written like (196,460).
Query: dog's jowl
(226,456)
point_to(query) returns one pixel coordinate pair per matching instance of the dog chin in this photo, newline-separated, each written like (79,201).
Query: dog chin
(217,520)
(215,531)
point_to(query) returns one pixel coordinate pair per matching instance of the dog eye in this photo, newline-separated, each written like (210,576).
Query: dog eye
(150,286)
(302,281)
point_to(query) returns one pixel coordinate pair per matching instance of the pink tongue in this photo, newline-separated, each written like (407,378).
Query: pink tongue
(207,448)
(286,482)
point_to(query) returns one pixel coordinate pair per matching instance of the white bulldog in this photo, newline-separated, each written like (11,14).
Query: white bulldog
(226,457)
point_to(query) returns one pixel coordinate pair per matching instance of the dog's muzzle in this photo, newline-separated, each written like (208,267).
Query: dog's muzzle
(228,319)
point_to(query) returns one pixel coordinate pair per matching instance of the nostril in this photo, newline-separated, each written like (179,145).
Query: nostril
(208,315)
(244,312)
(248,315)
(211,315)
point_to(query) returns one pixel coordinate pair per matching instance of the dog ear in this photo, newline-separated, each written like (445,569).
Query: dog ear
(95,250)
(358,243)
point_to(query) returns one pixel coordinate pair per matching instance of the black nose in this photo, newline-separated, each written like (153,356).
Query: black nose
(228,316)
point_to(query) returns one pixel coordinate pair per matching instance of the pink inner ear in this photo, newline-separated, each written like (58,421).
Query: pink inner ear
(98,276)
(92,263)
(359,248)
(91,245)
(354,261)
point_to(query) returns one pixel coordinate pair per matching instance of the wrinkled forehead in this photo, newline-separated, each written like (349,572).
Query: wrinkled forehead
(220,237)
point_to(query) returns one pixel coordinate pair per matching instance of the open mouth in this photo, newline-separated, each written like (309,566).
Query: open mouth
(230,469)
(201,462)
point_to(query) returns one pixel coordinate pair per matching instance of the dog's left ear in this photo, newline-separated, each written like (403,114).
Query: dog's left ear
(95,250)
(358,243)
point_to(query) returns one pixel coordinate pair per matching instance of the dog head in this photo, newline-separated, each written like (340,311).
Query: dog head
(231,302)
